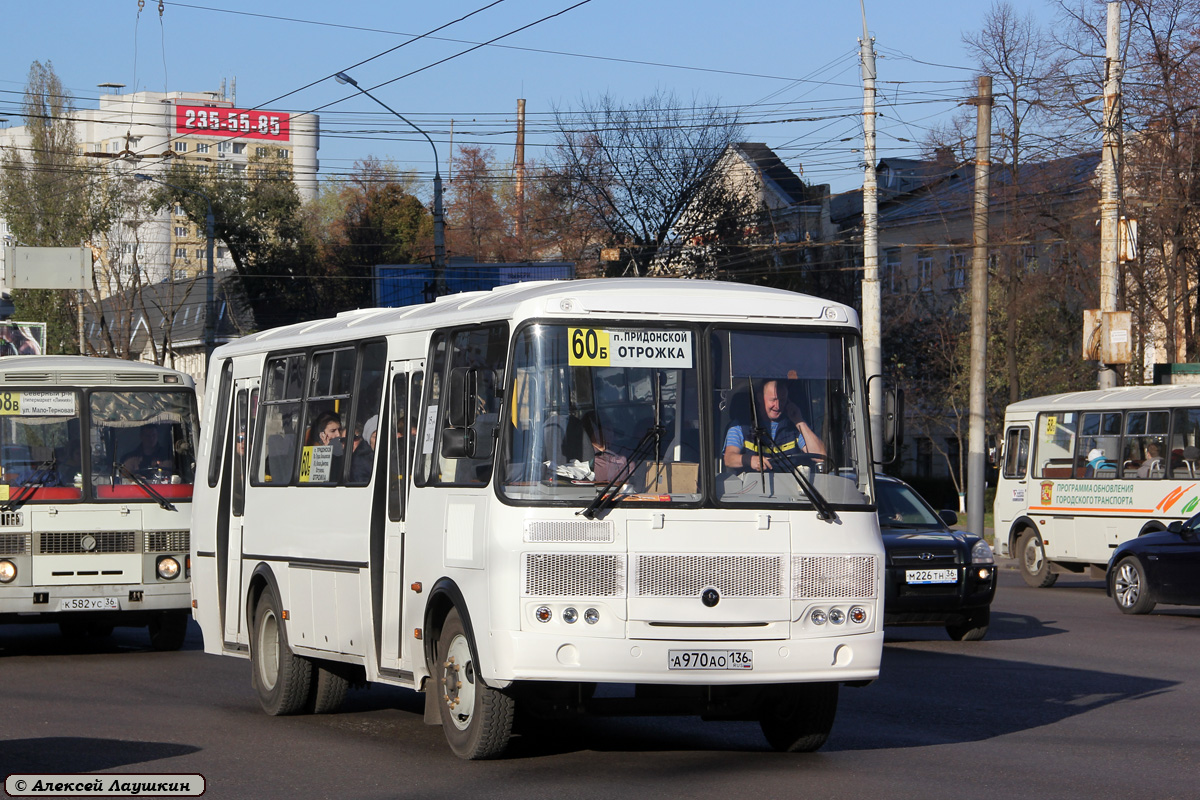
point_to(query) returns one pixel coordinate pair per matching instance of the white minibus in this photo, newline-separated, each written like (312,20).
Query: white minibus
(523,498)
(97,458)
(1084,471)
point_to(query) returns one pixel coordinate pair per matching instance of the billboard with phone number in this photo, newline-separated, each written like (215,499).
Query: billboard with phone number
(241,122)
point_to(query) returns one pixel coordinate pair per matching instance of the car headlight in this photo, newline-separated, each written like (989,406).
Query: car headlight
(168,568)
(981,553)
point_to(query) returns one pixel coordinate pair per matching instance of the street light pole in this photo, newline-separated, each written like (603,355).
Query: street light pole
(210,317)
(439,220)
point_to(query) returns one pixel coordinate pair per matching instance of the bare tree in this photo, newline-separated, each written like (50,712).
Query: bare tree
(638,168)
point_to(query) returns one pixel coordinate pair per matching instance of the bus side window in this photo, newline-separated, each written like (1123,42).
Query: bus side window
(483,351)
(241,415)
(397,433)
(275,448)
(1016,453)
(216,444)
(372,376)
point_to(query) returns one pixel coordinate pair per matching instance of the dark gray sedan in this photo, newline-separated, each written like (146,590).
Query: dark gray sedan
(1160,567)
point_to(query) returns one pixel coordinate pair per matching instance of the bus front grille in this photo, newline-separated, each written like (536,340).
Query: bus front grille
(59,542)
(14,544)
(574,575)
(570,531)
(11,519)
(689,575)
(167,541)
(833,577)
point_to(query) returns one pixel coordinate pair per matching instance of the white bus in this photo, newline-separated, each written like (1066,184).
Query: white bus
(1082,472)
(97,458)
(530,508)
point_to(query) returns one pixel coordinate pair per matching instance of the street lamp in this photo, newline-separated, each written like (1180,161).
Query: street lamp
(210,317)
(439,221)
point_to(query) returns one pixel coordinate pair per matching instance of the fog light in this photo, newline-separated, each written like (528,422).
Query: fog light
(168,568)
(837,616)
(984,573)
(817,617)
(543,614)
(570,615)
(858,615)
(591,616)
(8,571)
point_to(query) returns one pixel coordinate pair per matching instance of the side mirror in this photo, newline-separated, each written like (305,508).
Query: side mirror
(949,517)
(458,443)
(461,405)
(893,423)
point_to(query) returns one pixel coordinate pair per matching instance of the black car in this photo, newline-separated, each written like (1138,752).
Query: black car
(935,576)
(1159,567)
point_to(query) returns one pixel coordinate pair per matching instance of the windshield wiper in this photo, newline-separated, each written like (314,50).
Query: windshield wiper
(605,498)
(824,510)
(27,487)
(150,490)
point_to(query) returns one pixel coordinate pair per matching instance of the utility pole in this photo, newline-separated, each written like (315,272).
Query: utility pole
(872,320)
(1110,182)
(977,434)
(519,168)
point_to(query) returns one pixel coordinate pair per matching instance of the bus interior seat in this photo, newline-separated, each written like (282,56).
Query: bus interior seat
(279,456)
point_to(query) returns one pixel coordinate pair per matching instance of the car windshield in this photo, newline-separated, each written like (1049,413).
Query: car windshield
(901,507)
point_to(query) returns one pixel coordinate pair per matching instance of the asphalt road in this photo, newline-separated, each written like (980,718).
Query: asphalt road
(1066,697)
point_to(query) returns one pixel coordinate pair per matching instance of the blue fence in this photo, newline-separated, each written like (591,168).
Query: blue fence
(408,285)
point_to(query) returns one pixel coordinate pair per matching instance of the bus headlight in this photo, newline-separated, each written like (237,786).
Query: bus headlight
(168,568)
(591,616)
(569,615)
(8,571)
(818,617)
(837,616)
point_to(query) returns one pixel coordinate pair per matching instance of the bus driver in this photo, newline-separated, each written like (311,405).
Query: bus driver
(783,424)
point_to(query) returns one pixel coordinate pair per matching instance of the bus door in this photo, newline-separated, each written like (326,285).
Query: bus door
(396,444)
(1012,496)
(244,413)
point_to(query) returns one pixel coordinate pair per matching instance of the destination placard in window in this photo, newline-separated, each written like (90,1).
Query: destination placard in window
(655,349)
(38,404)
(316,463)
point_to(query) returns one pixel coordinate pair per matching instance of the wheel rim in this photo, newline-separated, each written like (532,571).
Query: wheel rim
(268,650)
(1034,555)
(1127,586)
(458,682)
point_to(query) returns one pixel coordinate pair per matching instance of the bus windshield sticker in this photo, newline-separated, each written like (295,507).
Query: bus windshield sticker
(38,404)
(316,463)
(655,349)
(431,417)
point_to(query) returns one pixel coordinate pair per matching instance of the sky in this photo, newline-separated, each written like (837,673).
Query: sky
(790,69)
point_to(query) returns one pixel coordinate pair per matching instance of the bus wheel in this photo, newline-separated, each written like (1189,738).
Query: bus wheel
(328,690)
(799,716)
(281,678)
(476,718)
(168,630)
(1031,560)
(973,628)
(1129,587)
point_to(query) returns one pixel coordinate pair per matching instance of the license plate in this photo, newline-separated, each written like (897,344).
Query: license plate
(89,604)
(931,576)
(710,659)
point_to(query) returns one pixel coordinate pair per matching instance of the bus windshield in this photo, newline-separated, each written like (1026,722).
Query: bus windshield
(141,436)
(622,407)
(40,446)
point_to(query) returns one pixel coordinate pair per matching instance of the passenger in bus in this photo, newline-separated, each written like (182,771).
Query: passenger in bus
(327,429)
(1152,465)
(1097,462)
(363,454)
(782,421)
(150,454)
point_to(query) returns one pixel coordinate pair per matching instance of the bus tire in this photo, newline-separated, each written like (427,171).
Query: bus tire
(476,718)
(1032,561)
(281,678)
(328,690)
(799,716)
(168,629)
(973,628)
(1130,590)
